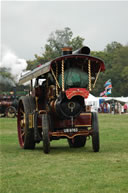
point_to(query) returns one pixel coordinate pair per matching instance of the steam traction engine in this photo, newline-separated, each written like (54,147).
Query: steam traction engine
(55,107)
(8,106)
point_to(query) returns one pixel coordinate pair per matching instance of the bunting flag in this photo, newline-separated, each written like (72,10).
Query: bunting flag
(107,83)
(108,92)
(108,89)
(102,93)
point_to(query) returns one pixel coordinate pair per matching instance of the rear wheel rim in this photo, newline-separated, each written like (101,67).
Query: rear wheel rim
(21,126)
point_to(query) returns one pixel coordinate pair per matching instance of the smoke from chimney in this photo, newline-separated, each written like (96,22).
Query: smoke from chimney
(14,64)
(7,81)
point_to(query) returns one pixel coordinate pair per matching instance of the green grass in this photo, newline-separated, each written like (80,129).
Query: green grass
(66,170)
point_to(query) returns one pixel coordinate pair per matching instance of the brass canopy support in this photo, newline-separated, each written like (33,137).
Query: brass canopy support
(55,78)
(96,77)
(36,103)
(31,85)
(62,75)
(89,74)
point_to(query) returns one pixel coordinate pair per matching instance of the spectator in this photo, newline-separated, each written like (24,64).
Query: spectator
(125,108)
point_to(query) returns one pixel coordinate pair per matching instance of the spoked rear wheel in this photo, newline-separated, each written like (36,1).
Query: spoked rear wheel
(95,134)
(45,130)
(78,141)
(25,134)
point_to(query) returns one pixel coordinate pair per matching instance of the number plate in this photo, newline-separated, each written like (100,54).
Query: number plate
(70,130)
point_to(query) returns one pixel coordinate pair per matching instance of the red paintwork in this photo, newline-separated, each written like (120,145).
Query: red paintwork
(71,92)
(84,119)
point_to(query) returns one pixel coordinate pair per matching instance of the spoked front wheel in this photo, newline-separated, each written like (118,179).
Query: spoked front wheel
(95,134)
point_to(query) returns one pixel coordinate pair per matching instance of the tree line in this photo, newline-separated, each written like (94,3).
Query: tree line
(115,56)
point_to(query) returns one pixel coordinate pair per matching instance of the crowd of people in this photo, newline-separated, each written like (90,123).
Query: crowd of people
(115,107)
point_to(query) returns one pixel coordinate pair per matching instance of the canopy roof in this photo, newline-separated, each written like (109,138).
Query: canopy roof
(72,60)
(122,100)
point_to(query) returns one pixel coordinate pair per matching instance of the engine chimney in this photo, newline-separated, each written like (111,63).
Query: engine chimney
(66,51)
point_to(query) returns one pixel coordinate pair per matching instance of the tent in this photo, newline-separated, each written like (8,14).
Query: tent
(93,102)
(122,100)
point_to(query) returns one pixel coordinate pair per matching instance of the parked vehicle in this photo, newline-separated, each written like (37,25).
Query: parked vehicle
(8,106)
(55,107)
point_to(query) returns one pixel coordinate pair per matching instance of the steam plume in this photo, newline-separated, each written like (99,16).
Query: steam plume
(14,64)
(6,81)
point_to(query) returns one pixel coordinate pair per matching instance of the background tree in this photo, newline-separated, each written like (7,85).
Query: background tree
(33,64)
(115,57)
(56,41)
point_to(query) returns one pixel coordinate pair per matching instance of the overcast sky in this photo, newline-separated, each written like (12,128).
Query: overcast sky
(26,25)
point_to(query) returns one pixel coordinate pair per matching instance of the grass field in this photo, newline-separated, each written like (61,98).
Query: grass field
(66,170)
